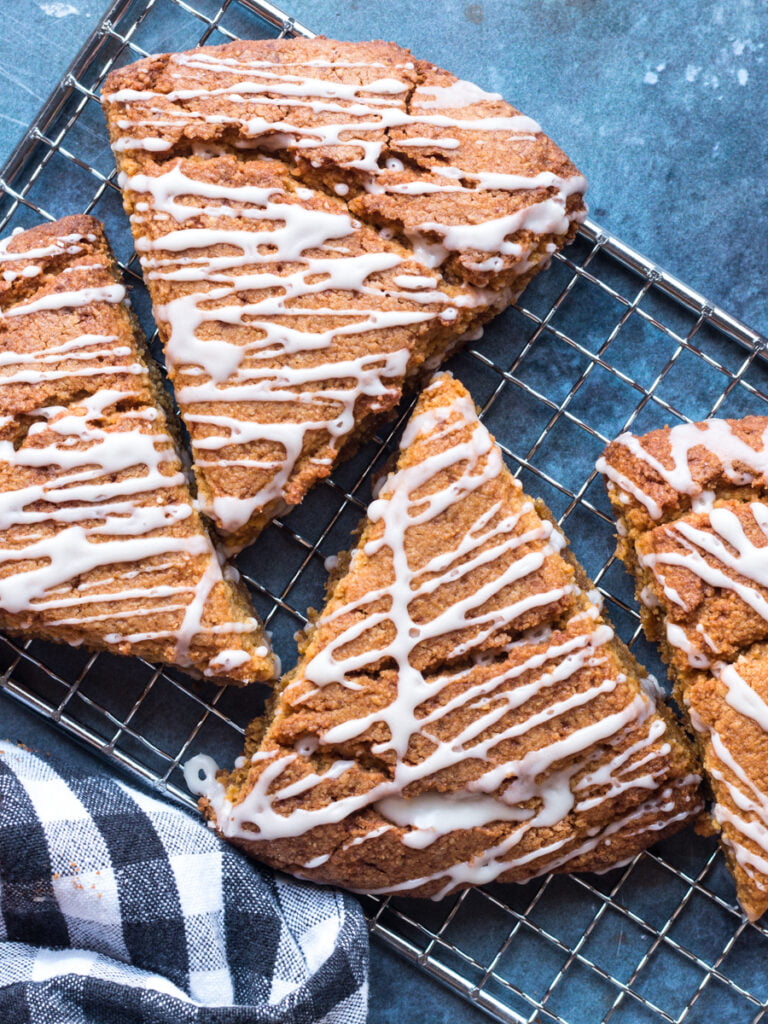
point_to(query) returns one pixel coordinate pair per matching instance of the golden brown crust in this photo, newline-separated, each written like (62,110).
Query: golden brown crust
(316,401)
(708,470)
(740,751)
(464,663)
(481,154)
(692,503)
(85,415)
(473,233)
(711,599)
(163,74)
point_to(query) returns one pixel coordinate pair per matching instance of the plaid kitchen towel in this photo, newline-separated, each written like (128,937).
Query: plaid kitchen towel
(116,908)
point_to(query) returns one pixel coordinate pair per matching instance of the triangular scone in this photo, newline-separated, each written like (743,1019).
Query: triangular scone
(692,508)
(316,222)
(100,541)
(461,711)
(288,325)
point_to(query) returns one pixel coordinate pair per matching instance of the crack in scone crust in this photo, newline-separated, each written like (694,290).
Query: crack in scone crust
(319,223)
(461,712)
(100,542)
(692,506)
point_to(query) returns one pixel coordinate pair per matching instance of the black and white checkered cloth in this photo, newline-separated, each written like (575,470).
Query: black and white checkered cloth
(116,908)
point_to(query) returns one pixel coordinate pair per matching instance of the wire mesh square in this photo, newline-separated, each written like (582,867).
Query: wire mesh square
(659,939)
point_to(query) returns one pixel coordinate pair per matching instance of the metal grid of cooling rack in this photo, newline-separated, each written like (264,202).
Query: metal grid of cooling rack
(659,939)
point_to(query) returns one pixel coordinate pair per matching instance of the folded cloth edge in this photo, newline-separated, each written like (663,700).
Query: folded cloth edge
(114,903)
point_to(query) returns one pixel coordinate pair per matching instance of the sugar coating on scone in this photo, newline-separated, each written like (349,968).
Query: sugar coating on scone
(100,541)
(461,711)
(317,222)
(692,506)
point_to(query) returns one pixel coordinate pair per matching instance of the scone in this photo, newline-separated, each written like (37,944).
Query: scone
(692,510)
(100,540)
(461,711)
(318,222)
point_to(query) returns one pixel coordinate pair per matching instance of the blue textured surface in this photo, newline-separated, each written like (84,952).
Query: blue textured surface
(664,107)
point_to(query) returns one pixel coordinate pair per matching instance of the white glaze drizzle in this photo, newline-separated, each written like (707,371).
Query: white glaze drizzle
(99,520)
(740,695)
(724,557)
(614,753)
(454,96)
(744,817)
(271,368)
(715,435)
(371,110)
(719,552)
(664,811)
(263,104)
(71,244)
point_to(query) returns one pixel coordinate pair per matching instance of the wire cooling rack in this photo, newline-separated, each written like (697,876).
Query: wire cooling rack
(602,341)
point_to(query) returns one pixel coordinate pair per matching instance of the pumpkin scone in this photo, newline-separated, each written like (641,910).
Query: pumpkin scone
(692,508)
(462,711)
(319,223)
(100,540)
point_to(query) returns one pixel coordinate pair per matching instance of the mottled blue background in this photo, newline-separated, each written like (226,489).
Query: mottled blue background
(662,105)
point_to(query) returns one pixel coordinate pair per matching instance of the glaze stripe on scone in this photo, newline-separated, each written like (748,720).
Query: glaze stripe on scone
(692,507)
(288,325)
(316,222)
(461,711)
(100,541)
